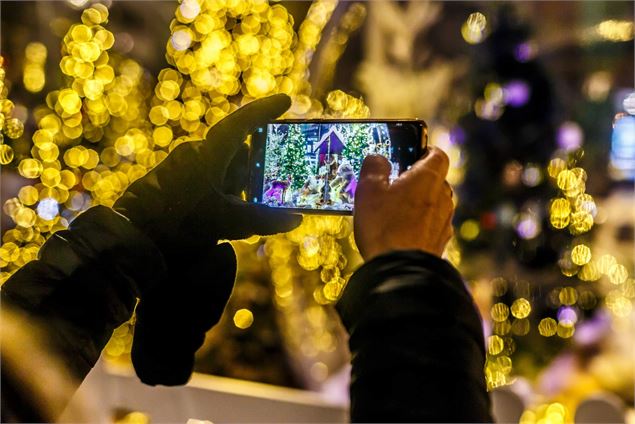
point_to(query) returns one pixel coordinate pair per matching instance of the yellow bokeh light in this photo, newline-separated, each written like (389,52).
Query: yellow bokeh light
(51,177)
(556,166)
(547,327)
(495,345)
(70,101)
(243,318)
(568,296)
(559,211)
(614,30)
(28,195)
(30,168)
(25,217)
(565,330)
(6,154)
(617,274)
(469,229)
(499,312)
(474,28)
(605,263)
(521,308)
(581,254)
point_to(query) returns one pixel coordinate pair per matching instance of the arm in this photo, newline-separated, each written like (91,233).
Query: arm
(415,336)
(85,284)
(161,247)
(416,342)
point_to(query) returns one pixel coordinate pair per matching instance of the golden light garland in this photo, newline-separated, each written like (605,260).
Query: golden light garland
(233,65)
(574,210)
(10,126)
(92,139)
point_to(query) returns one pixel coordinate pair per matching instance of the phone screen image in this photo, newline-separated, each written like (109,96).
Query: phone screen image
(315,166)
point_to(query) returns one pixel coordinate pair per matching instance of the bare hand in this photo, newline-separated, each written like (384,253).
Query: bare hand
(414,212)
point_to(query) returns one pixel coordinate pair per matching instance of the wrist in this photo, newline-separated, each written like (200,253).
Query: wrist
(390,265)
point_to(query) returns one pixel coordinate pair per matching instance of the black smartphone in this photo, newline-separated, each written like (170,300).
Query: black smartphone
(312,166)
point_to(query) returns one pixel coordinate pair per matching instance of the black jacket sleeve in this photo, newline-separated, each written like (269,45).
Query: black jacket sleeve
(416,342)
(85,284)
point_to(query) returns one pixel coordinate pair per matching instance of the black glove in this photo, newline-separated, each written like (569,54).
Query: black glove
(182,206)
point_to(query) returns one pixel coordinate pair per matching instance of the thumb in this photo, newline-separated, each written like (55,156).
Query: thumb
(374,175)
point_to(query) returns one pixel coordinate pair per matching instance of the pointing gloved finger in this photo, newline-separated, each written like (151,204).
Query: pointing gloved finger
(234,219)
(249,219)
(224,138)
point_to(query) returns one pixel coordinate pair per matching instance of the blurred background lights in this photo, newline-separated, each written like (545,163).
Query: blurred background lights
(516,93)
(181,40)
(48,208)
(622,157)
(124,42)
(190,9)
(629,103)
(531,175)
(547,327)
(570,136)
(109,120)
(6,154)
(597,86)
(469,230)
(521,308)
(77,3)
(581,254)
(525,52)
(614,30)
(243,318)
(567,315)
(528,226)
(34,76)
(474,29)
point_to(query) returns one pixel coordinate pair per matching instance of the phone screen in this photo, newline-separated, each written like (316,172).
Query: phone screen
(314,166)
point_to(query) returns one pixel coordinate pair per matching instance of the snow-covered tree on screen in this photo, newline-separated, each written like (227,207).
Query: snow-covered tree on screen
(356,143)
(294,165)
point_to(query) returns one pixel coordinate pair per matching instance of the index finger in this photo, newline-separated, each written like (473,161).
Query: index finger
(225,138)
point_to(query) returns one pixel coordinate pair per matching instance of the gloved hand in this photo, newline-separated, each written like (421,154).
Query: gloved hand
(182,206)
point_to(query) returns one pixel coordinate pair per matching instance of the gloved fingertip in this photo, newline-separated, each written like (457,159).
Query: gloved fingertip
(289,221)
(282,100)
(155,364)
(274,221)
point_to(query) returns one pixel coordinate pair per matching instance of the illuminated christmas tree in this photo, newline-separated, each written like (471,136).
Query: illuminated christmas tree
(355,145)
(295,166)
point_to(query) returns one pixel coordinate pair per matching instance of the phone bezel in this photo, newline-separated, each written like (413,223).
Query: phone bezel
(257,153)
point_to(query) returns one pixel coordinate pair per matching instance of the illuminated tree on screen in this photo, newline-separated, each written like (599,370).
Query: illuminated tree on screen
(294,164)
(275,151)
(356,142)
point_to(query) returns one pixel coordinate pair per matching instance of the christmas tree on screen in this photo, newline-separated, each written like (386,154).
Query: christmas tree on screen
(356,142)
(294,165)
(275,152)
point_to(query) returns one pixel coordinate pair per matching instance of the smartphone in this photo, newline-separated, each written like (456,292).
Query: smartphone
(312,166)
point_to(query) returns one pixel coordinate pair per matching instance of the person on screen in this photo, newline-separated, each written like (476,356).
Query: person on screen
(415,335)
